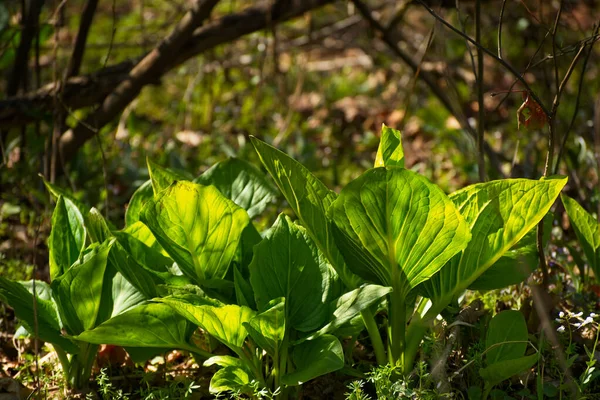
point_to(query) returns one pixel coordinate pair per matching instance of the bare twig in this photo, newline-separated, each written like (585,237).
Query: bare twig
(597,139)
(481,108)
(413,83)
(427,77)
(76,59)
(506,65)
(144,72)
(58,114)
(184,42)
(113,31)
(577,100)
(90,90)
(501,20)
(462,27)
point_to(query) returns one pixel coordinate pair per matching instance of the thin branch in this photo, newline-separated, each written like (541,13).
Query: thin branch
(500,29)
(144,72)
(159,62)
(577,100)
(76,59)
(19,72)
(462,27)
(427,77)
(481,108)
(554,29)
(506,65)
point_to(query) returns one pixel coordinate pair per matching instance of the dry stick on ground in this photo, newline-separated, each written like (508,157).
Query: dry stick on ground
(428,78)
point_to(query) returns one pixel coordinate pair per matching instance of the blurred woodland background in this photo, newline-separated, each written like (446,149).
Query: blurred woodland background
(480,90)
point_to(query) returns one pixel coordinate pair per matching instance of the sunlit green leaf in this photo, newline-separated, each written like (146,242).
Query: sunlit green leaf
(499,214)
(97,227)
(67,237)
(516,264)
(162,177)
(242,183)
(232,379)
(390,152)
(587,229)
(396,228)
(288,264)
(137,201)
(349,305)
(17,296)
(198,227)
(78,291)
(224,361)
(225,323)
(267,329)
(146,325)
(310,199)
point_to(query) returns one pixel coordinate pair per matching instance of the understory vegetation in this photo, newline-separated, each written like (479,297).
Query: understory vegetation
(356,200)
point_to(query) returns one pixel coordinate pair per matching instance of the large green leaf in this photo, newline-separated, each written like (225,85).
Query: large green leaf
(19,297)
(390,152)
(396,228)
(516,264)
(162,177)
(139,231)
(224,361)
(67,237)
(97,227)
(78,291)
(267,329)
(146,325)
(587,230)
(118,293)
(57,191)
(137,201)
(241,182)
(144,280)
(314,358)
(501,371)
(244,293)
(288,264)
(230,378)
(349,305)
(499,213)
(198,227)
(506,337)
(225,323)
(310,199)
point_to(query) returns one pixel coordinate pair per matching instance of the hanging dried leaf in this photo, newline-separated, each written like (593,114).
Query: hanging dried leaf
(530,114)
